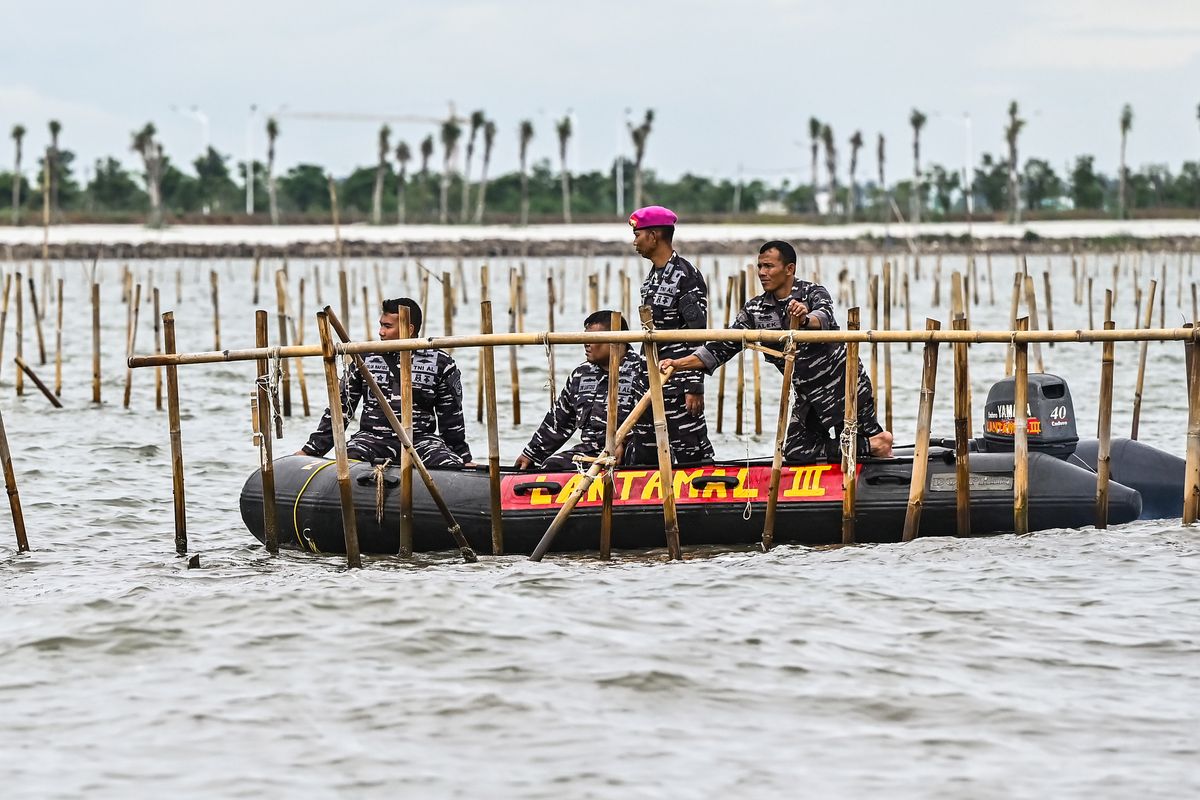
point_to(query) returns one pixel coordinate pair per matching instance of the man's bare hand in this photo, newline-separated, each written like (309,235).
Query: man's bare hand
(523,462)
(695,404)
(798,310)
(665,364)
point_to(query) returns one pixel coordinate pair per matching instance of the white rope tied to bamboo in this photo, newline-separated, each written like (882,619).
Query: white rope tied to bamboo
(849,446)
(544,338)
(380,495)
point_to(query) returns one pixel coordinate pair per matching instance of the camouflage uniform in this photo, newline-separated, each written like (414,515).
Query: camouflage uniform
(437,408)
(678,298)
(819,375)
(583,405)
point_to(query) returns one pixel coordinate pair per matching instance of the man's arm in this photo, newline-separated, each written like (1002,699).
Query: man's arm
(321,440)
(448,408)
(557,427)
(693,308)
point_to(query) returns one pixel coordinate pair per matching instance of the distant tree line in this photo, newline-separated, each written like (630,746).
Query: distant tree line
(403,186)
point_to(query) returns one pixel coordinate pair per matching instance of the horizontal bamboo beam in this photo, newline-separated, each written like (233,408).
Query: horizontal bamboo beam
(691,336)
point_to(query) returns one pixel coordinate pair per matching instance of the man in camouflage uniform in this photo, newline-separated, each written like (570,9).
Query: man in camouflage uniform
(439,434)
(678,298)
(583,405)
(820,369)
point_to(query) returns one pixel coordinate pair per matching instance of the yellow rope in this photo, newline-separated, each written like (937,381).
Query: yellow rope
(304,541)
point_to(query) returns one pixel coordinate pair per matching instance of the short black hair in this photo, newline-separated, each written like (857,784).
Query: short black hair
(604,318)
(667,232)
(786,251)
(414,310)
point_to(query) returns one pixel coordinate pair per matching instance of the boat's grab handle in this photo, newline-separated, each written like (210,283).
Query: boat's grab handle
(532,486)
(728,481)
(890,478)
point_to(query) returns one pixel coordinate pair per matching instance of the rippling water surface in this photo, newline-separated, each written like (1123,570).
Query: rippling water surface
(1062,663)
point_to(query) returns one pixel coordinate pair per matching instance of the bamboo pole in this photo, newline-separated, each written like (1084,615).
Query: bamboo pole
(756,363)
(615,353)
(665,472)
(907,309)
(729,284)
(1018,283)
(255,280)
(484,294)
(1020,433)
(158,348)
(332,386)
(447,304)
(991,283)
(131,343)
(1091,304)
(214,282)
(179,502)
(20,334)
(406,422)
(493,432)
(96,343)
(403,431)
(1049,303)
(850,444)
(552,377)
(58,327)
(887,347)
(1141,372)
(740,403)
(593,293)
(514,375)
(366,304)
(270,516)
(10,487)
(281,316)
(920,464)
(1104,430)
(4,315)
(1191,486)
(962,432)
(37,321)
(45,390)
(873,302)
(781,427)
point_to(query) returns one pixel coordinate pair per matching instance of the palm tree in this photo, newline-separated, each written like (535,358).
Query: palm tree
(564,135)
(381,171)
(1011,132)
(830,165)
(477,122)
(917,120)
(272,135)
(1126,126)
(151,153)
(881,159)
(55,130)
(814,138)
(856,143)
(489,139)
(639,135)
(403,156)
(525,136)
(451,132)
(18,134)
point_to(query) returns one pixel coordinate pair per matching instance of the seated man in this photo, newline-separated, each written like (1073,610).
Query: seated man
(583,405)
(819,372)
(439,434)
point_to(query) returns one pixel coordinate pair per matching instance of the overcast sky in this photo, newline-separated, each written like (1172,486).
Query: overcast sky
(732,83)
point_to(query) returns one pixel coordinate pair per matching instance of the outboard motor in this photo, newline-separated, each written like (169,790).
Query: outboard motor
(1051,419)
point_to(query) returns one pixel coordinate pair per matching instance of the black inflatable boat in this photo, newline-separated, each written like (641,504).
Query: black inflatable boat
(724,504)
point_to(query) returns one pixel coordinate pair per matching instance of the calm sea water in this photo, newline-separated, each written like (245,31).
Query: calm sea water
(1062,663)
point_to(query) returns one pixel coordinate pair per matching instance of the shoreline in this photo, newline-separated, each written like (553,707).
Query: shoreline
(394,241)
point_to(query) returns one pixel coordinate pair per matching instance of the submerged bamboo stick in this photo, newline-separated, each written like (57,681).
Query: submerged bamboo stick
(873,302)
(4,315)
(19,380)
(920,465)
(447,304)
(1141,372)
(962,433)
(58,328)
(514,326)
(1020,433)
(493,432)
(37,321)
(615,352)
(174,429)
(552,378)
(721,369)
(1104,430)
(96,343)
(54,401)
(662,438)
(1049,303)
(406,422)
(281,317)
(216,306)
(346,491)
(270,515)
(131,344)
(781,427)
(849,423)
(1191,483)
(740,402)
(10,487)
(887,347)
(484,294)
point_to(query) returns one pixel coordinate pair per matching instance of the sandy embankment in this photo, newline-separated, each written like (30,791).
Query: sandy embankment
(131,241)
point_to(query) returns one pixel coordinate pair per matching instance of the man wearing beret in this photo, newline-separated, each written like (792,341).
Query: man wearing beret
(678,298)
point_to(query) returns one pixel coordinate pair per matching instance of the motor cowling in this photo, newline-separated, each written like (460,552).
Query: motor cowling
(1050,426)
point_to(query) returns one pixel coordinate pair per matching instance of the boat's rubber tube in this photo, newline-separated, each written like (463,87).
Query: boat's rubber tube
(1156,475)
(718,505)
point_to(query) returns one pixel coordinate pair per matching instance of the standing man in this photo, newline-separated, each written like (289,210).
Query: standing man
(818,414)
(439,433)
(583,406)
(678,298)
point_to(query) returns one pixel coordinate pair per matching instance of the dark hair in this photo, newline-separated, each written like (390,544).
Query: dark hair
(604,318)
(786,251)
(666,232)
(414,310)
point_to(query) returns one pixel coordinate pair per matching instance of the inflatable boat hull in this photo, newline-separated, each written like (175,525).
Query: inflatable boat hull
(718,505)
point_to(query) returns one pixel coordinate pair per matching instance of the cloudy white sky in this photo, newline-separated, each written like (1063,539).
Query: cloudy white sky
(731,82)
